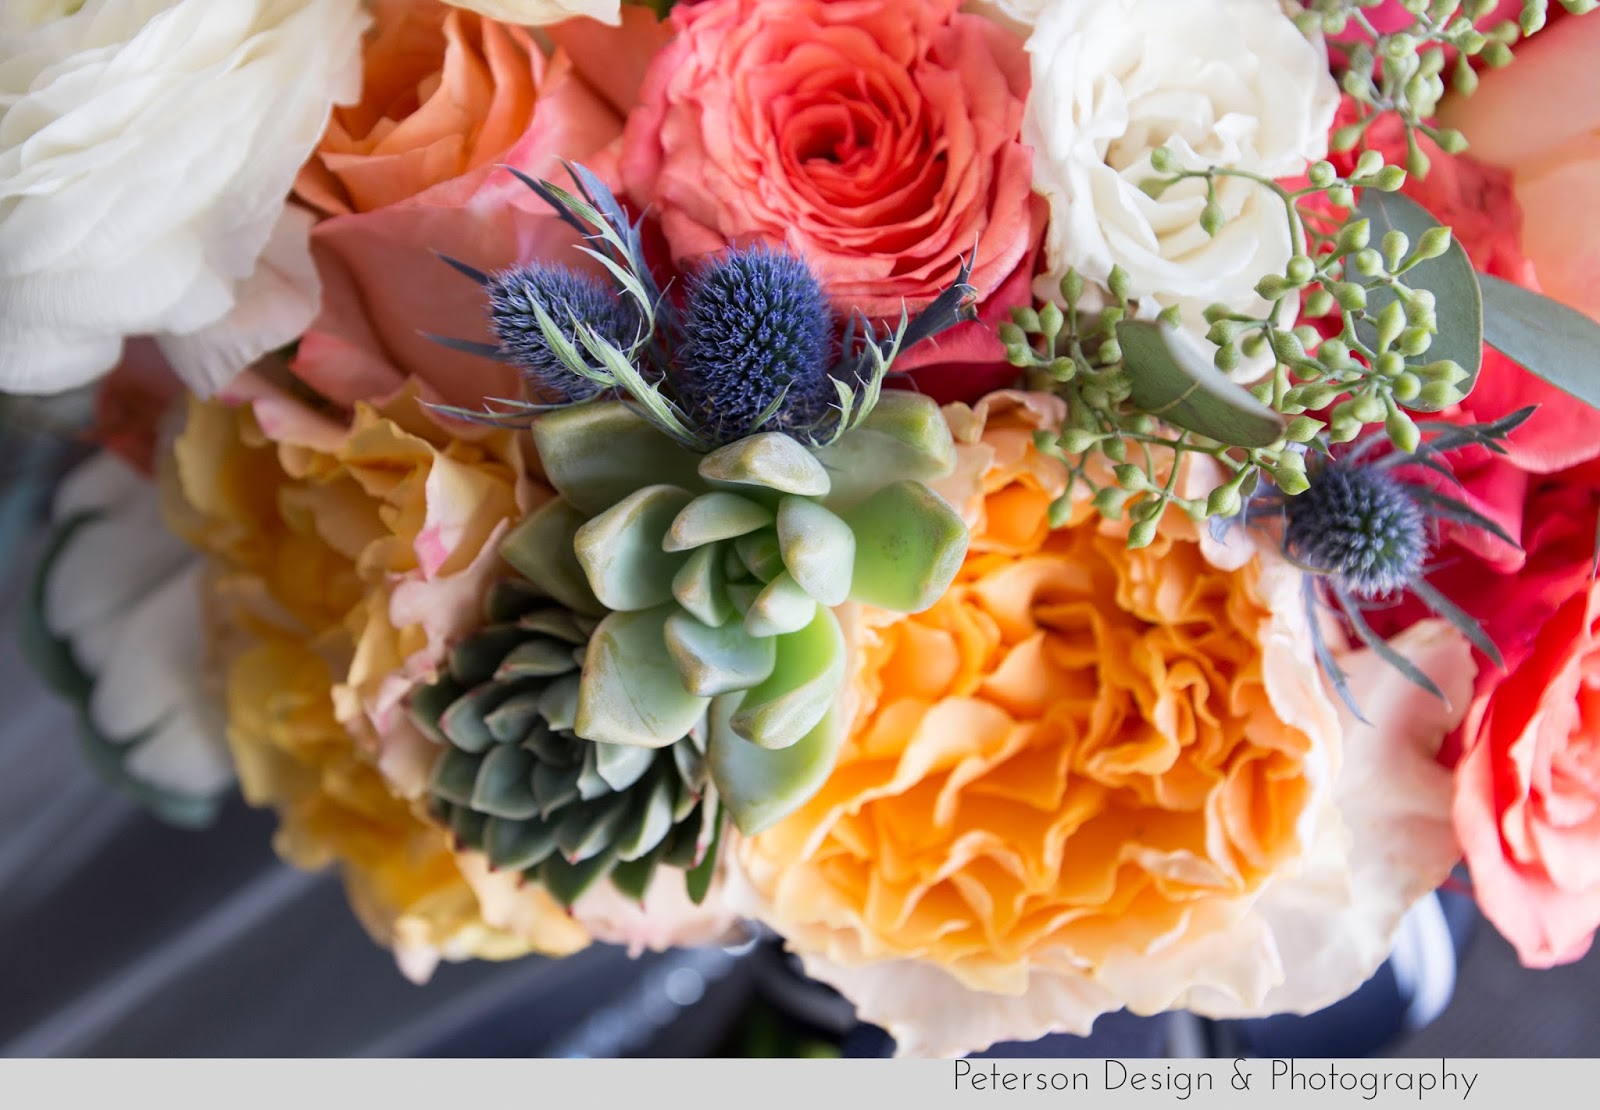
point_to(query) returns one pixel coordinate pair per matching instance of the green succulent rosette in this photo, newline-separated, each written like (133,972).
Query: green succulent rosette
(719,574)
(514,782)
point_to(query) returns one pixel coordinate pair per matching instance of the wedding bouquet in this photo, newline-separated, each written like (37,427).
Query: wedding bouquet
(1051,506)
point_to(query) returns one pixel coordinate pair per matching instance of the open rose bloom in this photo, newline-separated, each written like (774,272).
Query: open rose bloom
(970,488)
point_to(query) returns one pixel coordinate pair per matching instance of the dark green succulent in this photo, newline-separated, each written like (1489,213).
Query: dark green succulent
(516,783)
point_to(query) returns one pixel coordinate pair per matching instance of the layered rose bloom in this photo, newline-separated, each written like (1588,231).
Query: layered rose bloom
(146,147)
(1552,157)
(879,140)
(412,169)
(345,559)
(1225,83)
(1091,778)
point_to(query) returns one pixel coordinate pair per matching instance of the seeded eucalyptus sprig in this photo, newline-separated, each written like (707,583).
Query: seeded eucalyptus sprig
(1402,70)
(1403,320)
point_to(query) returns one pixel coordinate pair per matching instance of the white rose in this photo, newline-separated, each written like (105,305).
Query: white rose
(535,13)
(1228,83)
(146,151)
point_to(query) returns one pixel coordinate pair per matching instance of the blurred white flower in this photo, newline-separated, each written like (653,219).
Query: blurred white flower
(123,596)
(535,13)
(1229,83)
(146,151)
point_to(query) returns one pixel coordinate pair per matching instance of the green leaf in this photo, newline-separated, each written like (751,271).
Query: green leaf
(719,660)
(818,549)
(1551,341)
(501,788)
(905,436)
(770,460)
(700,587)
(1450,278)
(631,691)
(761,787)
(596,454)
(1175,380)
(805,680)
(621,549)
(698,879)
(909,545)
(783,606)
(718,515)
(540,548)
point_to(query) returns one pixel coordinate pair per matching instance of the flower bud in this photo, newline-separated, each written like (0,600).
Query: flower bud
(1302,429)
(1351,297)
(1390,179)
(1050,321)
(1075,441)
(1318,302)
(1143,533)
(1115,448)
(1224,500)
(1405,387)
(1117,282)
(1162,160)
(1109,502)
(1011,335)
(1394,245)
(1292,482)
(1402,430)
(1287,346)
(1439,395)
(1390,323)
(1322,174)
(1072,287)
(1300,269)
(1368,262)
(1369,163)
(1366,408)
(1212,218)
(1390,364)
(1025,318)
(1415,341)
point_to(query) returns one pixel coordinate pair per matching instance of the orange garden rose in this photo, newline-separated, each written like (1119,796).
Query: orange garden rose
(1089,777)
(344,561)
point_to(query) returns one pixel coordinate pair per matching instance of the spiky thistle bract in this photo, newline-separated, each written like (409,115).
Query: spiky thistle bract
(752,349)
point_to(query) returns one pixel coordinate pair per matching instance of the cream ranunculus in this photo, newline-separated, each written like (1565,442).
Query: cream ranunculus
(537,13)
(146,148)
(1228,83)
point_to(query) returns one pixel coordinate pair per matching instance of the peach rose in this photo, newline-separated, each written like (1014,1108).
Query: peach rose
(412,169)
(1091,778)
(345,559)
(880,140)
(1539,119)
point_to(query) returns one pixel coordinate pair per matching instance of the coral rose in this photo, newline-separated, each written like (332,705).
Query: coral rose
(413,168)
(1528,790)
(1091,778)
(878,139)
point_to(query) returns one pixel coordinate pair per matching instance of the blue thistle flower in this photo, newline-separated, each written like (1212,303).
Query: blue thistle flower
(757,328)
(1362,527)
(563,293)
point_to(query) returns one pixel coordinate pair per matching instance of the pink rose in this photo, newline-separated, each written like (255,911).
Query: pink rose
(877,138)
(414,169)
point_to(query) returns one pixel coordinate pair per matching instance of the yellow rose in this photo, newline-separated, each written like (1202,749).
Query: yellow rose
(1073,784)
(345,559)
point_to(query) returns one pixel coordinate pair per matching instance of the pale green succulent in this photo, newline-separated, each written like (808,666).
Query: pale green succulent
(721,572)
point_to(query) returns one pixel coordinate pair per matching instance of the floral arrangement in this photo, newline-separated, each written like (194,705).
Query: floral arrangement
(1051,506)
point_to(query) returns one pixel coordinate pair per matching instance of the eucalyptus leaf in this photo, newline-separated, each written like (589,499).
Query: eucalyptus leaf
(1175,380)
(1458,299)
(1551,341)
